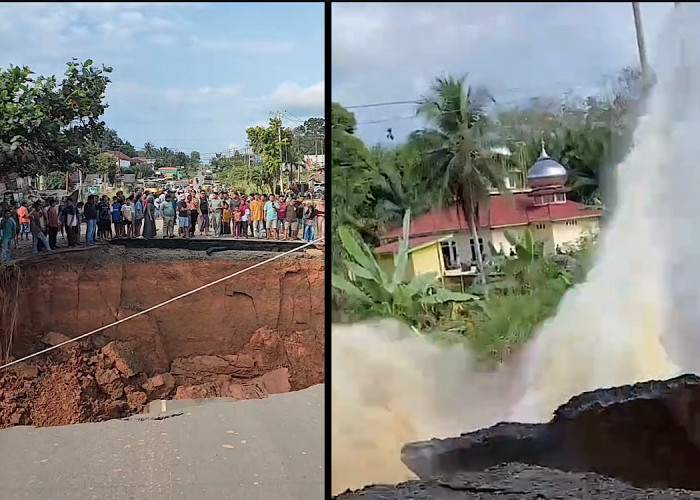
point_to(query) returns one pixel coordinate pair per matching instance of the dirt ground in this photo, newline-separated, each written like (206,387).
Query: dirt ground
(260,333)
(96,380)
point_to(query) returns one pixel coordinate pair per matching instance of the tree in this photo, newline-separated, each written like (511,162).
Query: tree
(110,141)
(234,172)
(458,154)
(48,125)
(308,137)
(105,164)
(273,145)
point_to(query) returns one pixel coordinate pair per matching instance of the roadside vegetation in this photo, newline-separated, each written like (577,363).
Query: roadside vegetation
(452,161)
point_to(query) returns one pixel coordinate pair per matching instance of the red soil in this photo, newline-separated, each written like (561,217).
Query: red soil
(259,334)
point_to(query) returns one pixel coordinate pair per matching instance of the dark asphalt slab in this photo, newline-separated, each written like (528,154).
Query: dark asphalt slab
(263,449)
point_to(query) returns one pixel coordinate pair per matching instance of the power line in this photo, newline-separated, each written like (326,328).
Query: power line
(388,120)
(377,104)
(293,116)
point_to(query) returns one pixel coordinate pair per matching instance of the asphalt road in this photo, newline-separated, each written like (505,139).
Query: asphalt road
(263,449)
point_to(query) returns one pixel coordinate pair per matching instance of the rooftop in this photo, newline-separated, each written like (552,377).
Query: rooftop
(503,211)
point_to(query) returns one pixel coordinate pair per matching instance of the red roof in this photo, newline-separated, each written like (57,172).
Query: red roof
(502,211)
(121,156)
(412,243)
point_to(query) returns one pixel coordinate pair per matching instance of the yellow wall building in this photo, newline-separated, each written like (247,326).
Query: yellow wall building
(441,242)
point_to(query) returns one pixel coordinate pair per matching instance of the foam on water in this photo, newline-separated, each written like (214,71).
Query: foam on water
(637,317)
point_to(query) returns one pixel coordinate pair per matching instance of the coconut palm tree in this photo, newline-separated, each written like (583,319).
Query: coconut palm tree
(458,154)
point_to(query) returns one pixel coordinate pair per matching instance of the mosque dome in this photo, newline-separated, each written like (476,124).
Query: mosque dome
(546,172)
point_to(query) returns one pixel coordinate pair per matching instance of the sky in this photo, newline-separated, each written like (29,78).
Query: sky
(386,52)
(189,76)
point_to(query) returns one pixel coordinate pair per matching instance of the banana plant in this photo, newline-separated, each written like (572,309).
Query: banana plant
(369,291)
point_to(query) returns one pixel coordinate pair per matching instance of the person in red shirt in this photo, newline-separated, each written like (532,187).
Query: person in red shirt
(24,221)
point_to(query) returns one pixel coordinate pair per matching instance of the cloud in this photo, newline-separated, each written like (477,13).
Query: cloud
(293,97)
(163,40)
(102,31)
(259,47)
(392,51)
(176,80)
(159,97)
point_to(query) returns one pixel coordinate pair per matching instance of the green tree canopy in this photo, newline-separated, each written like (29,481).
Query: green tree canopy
(47,124)
(274,145)
(308,137)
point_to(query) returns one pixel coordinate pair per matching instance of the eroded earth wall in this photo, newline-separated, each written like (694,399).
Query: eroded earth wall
(78,292)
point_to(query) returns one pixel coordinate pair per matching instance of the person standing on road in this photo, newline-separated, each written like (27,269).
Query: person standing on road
(226,217)
(257,213)
(217,213)
(309,216)
(90,212)
(271,215)
(290,220)
(138,215)
(320,219)
(15,217)
(38,227)
(245,217)
(183,212)
(149,219)
(8,232)
(62,227)
(299,233)
(117,218)
(104,220)
(128,218)
(237,220)
(23,213)
(168,212)
(54,223)
(70,220)
(282,218)
(193,205)
(203,214)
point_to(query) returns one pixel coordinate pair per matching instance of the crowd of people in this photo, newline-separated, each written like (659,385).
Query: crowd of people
(184,213)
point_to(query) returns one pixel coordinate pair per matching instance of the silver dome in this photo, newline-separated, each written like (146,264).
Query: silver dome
(546,172)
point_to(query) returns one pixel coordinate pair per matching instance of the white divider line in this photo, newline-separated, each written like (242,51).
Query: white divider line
(158,306)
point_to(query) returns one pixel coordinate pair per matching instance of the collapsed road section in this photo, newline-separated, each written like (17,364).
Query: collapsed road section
(257,334)
(636,441)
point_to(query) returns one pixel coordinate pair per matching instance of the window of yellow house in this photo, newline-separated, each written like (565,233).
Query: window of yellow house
(449,254)
(473,248)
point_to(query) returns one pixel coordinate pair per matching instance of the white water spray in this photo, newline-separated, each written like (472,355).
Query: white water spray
(637,317)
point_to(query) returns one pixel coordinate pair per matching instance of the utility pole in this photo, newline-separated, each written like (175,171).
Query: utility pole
(644,63)
(279,139)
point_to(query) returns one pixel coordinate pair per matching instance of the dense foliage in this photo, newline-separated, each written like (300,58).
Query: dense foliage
(368,291)
(49,124)
(458,159)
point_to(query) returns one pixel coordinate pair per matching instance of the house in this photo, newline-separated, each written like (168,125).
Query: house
(146,161)
(314,162)
(170,172)
(124,160)
(441,241)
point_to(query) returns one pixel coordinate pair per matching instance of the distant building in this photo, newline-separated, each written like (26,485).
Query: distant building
(125,161)
(314,162)
(441,241)
(170,172)
(145,161)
